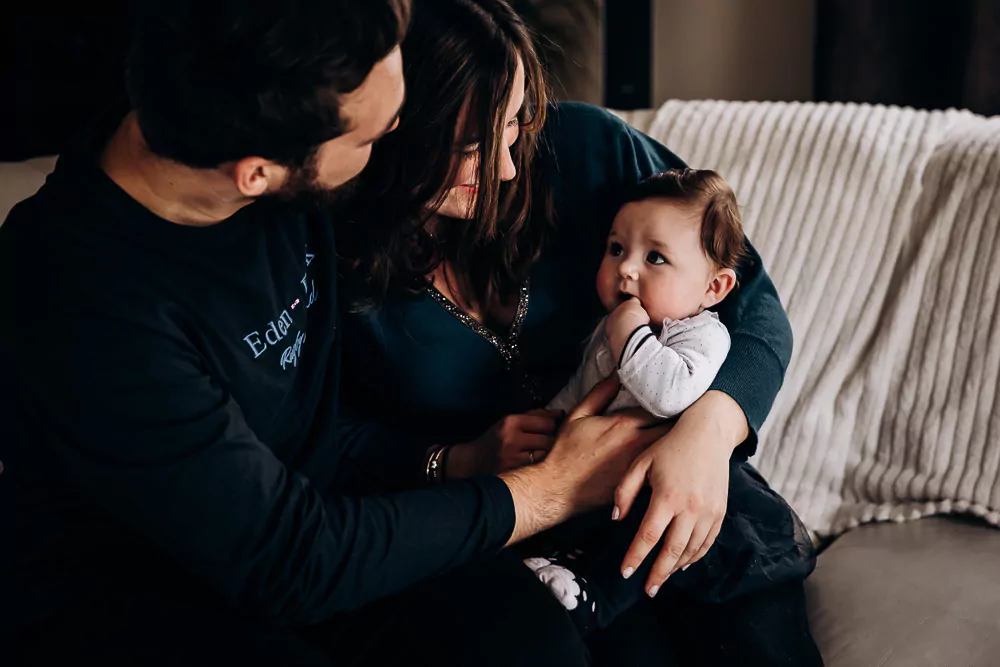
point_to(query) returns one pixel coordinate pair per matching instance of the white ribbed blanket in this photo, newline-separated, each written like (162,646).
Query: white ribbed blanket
(880,228)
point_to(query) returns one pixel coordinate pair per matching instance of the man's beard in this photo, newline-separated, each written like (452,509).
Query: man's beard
(303,187)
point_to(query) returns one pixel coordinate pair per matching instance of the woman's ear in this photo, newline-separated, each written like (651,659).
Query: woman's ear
(255,176)
(721,285)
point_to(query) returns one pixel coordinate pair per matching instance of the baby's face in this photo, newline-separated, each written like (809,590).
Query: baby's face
(654,253)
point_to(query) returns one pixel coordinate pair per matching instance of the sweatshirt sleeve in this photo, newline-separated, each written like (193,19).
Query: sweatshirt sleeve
(761,346)
(151,441)
(667,374)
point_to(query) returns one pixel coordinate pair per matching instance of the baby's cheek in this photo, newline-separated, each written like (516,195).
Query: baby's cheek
(674,304)
(607,289)
(659,303)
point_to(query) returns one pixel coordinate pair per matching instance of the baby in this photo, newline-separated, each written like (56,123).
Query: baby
(672,253)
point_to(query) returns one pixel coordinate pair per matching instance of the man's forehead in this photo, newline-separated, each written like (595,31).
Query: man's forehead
(374,104)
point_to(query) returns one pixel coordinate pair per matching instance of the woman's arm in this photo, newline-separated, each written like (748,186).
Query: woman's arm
(596,157)
(758,326)
(761,347)
(380,458)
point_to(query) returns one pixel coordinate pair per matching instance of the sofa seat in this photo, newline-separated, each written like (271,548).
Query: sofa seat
(919,594)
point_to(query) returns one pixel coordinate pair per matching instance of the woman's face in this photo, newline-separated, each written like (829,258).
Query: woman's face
(460,199)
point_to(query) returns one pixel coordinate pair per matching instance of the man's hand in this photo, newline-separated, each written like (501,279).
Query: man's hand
(688,471)
(588,459)
(620,324)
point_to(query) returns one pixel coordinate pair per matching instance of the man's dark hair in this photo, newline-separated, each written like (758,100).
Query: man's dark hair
(213,81)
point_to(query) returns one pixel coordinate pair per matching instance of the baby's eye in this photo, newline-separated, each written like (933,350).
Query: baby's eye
(615,249)
(655,258)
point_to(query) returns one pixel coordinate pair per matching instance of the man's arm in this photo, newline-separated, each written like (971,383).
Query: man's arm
(151,441)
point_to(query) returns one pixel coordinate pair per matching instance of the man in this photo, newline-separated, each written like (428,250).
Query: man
(175,353)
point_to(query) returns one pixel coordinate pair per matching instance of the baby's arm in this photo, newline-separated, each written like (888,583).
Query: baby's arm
(667,374)
(587,374)
(571,394)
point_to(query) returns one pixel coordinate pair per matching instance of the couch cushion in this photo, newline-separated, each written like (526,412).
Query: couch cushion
(925,593)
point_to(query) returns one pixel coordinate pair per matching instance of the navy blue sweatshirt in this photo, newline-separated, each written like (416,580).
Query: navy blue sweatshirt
(174,394)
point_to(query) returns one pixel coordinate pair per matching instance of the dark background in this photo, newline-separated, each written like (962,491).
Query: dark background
(61,65)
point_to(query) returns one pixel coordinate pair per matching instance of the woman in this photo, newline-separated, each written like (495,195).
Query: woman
(470,270)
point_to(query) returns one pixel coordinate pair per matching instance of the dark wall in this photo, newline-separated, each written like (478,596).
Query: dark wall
(59,65)
(927,54)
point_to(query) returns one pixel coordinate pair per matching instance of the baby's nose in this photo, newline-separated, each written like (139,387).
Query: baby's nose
(628,271)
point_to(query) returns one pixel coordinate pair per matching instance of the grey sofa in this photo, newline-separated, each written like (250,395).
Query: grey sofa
(918,594)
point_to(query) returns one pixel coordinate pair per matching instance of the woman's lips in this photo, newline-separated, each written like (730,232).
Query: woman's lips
(470,188)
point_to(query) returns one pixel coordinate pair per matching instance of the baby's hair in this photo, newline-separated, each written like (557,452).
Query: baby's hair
(703,190)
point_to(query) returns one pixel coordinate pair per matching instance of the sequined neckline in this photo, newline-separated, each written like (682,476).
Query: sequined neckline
(508,347)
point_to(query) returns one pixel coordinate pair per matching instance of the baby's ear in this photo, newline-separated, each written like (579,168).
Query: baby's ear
(721,285)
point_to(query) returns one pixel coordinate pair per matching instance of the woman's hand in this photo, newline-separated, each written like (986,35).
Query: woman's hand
(514,441)
(688,470)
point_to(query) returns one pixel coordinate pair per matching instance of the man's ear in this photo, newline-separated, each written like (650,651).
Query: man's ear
(255,176)
(721,285)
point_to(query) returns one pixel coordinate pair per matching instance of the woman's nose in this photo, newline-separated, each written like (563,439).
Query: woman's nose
(507,169)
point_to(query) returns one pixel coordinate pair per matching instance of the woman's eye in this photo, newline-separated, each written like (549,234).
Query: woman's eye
(615,249)
(470,150)
(512,123)
(655,258)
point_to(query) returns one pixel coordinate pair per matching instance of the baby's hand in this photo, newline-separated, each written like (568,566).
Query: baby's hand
(625,319)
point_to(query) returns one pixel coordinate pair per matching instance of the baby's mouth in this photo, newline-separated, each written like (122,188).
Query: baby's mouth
(624,296)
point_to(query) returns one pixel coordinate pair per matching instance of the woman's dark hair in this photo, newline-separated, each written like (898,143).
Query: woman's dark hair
(707,193)
(459,59)
(213,81)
